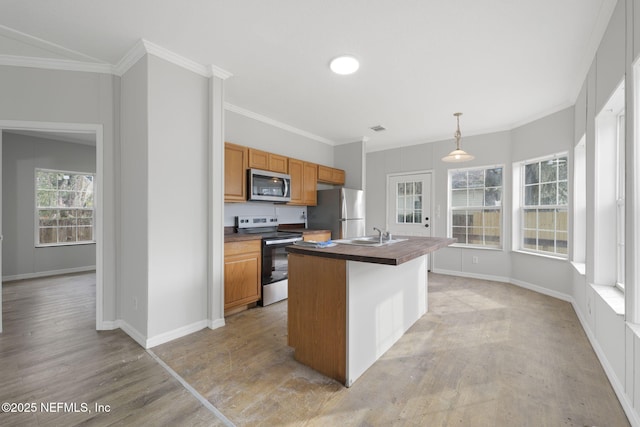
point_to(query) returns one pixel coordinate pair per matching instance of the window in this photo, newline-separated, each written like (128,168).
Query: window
(620,200)
(544,201)
(64,207)
(475,200)
(409,202)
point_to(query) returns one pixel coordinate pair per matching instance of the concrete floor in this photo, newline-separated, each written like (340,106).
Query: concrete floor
(486,354)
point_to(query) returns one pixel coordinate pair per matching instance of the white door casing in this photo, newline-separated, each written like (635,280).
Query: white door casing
(409,204)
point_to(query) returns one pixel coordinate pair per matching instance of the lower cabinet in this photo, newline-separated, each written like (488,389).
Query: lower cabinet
(242,269)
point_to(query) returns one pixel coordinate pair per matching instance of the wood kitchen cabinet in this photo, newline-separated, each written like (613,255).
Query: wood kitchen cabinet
(259,159)
(235,172)
(304,182)
(329,175)
(242,269)
(316,236)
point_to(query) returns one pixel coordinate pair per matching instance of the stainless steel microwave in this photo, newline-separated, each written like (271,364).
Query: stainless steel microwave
(269,186)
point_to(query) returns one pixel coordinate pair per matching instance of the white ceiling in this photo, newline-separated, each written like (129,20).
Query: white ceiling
(502,63)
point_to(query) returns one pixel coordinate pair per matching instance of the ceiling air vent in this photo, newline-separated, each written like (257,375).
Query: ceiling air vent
(378,128)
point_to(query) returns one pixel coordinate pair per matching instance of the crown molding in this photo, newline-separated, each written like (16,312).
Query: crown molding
(130,58)
(143,47)
(275,123)
(220,73)
(39,43)
(56,64)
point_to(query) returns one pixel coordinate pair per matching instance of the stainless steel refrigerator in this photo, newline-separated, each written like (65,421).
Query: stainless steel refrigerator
(340,210)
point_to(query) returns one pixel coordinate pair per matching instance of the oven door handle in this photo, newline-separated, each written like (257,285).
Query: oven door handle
(282,241)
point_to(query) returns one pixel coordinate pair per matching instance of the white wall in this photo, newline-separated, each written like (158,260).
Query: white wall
(134,176)
(177,198)
(30,94)
(21,156)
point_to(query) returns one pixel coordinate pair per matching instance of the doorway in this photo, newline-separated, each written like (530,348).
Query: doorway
(60,130)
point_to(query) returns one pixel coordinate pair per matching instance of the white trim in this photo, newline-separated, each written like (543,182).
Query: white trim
(39,43)
(56,64)
(97,129)
(176,333)
(509,280)
(132,332)
(264,119)
(143,47)
(130,58)
(618,387)
(176,59)
(216,323)
(48,273)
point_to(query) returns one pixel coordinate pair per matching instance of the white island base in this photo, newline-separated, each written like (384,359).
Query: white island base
(344,315)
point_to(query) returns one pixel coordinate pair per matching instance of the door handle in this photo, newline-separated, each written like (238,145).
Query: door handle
(426,225)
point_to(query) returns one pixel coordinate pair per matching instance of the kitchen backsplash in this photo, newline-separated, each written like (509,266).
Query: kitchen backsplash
(286,214)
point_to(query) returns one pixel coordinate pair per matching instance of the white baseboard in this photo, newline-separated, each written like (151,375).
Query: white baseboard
(618,387)
(107,325)
(216,323)
(132,332)
(48,273)
(502,279)
(176,333)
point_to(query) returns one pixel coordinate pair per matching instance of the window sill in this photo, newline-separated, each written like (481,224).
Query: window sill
(484,248)
(612,296)
(580,267)
(558,258)
(56,245)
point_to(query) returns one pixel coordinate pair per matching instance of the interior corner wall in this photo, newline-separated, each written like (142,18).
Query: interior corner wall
(134,233)
(351,158)
(178,199)
(37,95)
(21,156)
(247,131)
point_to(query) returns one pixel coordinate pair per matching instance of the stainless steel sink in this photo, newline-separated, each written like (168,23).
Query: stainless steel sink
(368,241)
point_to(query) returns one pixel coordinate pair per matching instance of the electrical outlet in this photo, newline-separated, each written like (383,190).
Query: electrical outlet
(135,303)
(474,260)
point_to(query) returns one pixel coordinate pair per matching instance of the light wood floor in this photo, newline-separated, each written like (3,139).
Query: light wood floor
(486,354)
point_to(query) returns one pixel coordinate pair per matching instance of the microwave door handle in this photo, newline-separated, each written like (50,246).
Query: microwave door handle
(286,187)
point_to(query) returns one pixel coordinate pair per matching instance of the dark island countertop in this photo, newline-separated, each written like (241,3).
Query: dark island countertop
(393,254)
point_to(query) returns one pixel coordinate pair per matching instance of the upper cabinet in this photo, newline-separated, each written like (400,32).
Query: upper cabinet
(235,172)
(259,159)
(304,180)
(304,175)
(329,175)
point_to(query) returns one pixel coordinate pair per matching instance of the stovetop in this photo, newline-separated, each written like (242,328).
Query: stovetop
(265,226)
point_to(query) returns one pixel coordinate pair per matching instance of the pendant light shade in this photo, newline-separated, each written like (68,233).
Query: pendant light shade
(458,155)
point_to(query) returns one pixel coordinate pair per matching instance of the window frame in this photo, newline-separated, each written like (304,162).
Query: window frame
(38,208)
(519,187)
(500,208)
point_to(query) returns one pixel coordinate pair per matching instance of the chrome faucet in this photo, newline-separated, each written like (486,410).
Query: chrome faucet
(379,233)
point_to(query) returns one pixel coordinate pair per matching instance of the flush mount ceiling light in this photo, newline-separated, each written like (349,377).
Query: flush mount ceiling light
(457,155)
(344,65)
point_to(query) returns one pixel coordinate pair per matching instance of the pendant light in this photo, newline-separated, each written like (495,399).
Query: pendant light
(458,155)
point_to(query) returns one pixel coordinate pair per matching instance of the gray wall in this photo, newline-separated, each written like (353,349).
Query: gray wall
(352,158)
(134,231)
(30,94)
(178,197)
(21,155)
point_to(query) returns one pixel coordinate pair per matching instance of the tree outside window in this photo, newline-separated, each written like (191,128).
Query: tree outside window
(64,207)
(545,202)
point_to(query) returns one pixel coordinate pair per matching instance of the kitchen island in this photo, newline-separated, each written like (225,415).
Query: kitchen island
(349,304)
